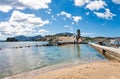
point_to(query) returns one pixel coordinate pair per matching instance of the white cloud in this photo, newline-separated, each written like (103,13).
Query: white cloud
(72,23)
(81,2)
(106,15)
(5,8)
(87,13)
(116,1)
(68,27)
(41,31)
(53,17)
(7,5)
(96,5)
(35,4)
(48,11)
(68,15)
(87,34)
(77,18)
(22,24)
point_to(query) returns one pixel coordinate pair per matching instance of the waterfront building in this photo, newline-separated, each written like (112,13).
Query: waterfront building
(115,41)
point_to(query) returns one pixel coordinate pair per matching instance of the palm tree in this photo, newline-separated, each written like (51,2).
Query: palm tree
(78,35)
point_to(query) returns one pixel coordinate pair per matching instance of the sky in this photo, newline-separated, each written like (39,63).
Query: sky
(44,17)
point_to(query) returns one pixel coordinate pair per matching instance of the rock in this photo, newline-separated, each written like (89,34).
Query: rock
(20,47)
(27,46)
(36,45)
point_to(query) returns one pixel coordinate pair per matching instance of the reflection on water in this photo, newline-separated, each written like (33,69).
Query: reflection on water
(78,53)
(14,61)
(78,50)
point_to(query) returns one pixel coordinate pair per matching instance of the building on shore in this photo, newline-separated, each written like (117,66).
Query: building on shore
(73,38)
(68,39)
(115,41)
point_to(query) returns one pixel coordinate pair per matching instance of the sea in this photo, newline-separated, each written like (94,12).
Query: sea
(19,57)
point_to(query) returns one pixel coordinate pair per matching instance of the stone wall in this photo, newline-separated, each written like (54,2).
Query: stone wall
(108,52)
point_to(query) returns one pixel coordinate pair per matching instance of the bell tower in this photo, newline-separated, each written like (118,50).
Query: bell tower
(78,36)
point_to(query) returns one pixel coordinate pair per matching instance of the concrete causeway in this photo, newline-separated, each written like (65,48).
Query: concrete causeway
(108,52)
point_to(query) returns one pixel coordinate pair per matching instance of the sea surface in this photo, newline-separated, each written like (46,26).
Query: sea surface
(18,57)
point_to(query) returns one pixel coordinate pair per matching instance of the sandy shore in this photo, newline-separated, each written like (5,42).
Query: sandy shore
(96,70)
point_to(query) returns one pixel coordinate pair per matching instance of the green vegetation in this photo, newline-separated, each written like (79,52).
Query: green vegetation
(11,39)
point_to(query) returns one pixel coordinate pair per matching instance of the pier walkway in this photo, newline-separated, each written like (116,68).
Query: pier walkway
(108,52)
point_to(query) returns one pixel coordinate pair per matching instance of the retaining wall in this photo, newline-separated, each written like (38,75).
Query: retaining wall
(109,52)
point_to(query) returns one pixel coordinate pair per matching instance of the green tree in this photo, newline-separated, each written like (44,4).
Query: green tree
(11,39)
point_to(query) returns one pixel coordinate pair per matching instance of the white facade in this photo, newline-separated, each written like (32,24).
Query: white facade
(115,41)
(68,39)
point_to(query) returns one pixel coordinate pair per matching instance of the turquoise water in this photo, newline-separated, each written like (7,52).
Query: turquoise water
(14,61)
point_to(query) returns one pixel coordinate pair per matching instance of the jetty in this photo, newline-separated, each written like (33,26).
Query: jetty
(109,52)
(65,43)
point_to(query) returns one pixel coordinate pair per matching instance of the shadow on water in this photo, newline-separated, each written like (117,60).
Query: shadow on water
(78,50)
(100,56)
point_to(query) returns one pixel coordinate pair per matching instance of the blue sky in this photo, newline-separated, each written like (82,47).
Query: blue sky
(44,17)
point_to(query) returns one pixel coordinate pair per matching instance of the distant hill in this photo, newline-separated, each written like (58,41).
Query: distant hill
(64,34)
(24,38)
(53,37)
(1,40)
